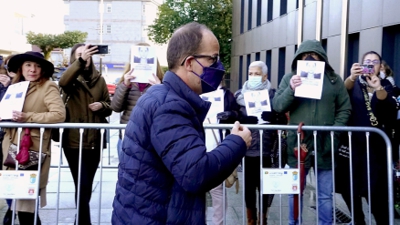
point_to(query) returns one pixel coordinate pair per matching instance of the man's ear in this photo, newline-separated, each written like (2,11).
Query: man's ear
(188,63)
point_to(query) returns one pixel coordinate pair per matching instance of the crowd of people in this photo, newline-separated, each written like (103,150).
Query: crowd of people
(167,165)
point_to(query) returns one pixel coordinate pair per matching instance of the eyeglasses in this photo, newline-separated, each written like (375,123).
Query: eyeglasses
(373,62)
(213,58)
(313,54)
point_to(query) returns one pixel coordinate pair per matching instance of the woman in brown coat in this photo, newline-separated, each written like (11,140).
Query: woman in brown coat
(87,101)
(42,104)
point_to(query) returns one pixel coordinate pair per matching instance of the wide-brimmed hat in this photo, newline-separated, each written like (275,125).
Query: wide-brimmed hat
(17,60)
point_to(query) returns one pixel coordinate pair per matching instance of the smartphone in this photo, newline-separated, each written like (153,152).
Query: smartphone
(101,49)
(368,69)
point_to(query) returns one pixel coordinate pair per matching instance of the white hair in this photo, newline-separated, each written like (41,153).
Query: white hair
(261,65)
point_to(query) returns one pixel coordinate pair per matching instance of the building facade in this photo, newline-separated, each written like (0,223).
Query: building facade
(125,24)
(267,30)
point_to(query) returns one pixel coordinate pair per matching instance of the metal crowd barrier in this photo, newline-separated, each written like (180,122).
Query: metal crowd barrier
(279,128)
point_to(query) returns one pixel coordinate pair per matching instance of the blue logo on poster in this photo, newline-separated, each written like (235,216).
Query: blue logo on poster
(295,175)
(284,172)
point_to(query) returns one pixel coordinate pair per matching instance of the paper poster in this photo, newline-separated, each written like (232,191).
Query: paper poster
(144,62)
(256,103)
(13,99)
(312,78)
(21,184)
(281,181)
(217,103)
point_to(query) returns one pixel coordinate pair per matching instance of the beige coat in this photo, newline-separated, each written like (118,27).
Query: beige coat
(43,104)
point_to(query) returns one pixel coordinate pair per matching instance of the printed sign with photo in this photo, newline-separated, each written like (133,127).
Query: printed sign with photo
(144,62)
(256,103)
(19,184)
(312,79)
(217,103)
(13,99)
(281,181)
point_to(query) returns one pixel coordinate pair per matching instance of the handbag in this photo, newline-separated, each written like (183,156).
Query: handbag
(33,162)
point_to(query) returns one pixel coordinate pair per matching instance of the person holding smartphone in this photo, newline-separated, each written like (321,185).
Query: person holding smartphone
(373,106)
(87,100)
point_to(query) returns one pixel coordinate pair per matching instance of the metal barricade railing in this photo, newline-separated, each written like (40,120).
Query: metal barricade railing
(261,128)
(332,130)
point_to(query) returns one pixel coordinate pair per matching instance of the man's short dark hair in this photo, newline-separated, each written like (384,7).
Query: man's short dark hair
(185,41)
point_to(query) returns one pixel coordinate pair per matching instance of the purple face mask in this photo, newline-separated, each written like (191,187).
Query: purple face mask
(211,76)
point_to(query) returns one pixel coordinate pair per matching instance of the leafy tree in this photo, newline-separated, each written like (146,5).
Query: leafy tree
(216,15)
(48,42)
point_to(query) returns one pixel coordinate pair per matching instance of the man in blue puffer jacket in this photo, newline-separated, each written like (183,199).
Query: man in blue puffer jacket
(165,171)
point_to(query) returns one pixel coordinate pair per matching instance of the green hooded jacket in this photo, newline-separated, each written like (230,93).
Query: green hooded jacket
(333,109)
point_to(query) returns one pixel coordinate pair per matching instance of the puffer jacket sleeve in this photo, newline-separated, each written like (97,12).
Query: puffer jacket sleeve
(284,97)
(119,98)
(183,151)
(56,110)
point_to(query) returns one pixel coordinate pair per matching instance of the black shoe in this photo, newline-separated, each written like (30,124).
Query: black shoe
(8,217)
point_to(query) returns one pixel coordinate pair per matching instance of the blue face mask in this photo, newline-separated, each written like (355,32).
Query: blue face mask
(211,76)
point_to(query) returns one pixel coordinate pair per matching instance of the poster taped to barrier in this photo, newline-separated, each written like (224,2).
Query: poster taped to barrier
(19,184)
(281,181)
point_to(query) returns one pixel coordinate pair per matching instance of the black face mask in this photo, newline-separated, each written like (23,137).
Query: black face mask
(309,58)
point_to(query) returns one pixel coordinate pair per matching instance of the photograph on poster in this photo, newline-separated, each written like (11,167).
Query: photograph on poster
(312,79)
(144,63)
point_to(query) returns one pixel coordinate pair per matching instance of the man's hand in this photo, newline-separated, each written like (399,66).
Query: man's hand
(243,132)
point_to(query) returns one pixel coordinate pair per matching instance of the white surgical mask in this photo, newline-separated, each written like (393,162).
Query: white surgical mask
(254,81)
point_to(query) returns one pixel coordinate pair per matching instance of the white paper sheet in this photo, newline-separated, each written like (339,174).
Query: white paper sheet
(18,184)
(312,78)
(256,103)
(13,99)
(281,181)
(144,62)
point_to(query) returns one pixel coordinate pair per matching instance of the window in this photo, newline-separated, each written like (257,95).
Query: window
(259,7)
(144,8)
(270,10)
(283,7)
(248,64)
(109,50)
(242,17)
(249,14)
(99,30)
(324,43)
(108,28)
(109,8)
(295,49)
(268,62)
(257,56)
(353,48)
(240,72)
(297,3)
(281,63)
(391,49)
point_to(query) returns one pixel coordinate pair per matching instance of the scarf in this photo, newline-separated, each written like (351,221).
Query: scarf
(246,88)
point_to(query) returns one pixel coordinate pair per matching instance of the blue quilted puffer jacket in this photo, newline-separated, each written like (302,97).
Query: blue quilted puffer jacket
(165,171)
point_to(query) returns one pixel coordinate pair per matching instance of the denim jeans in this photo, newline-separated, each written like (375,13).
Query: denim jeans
(324,197)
